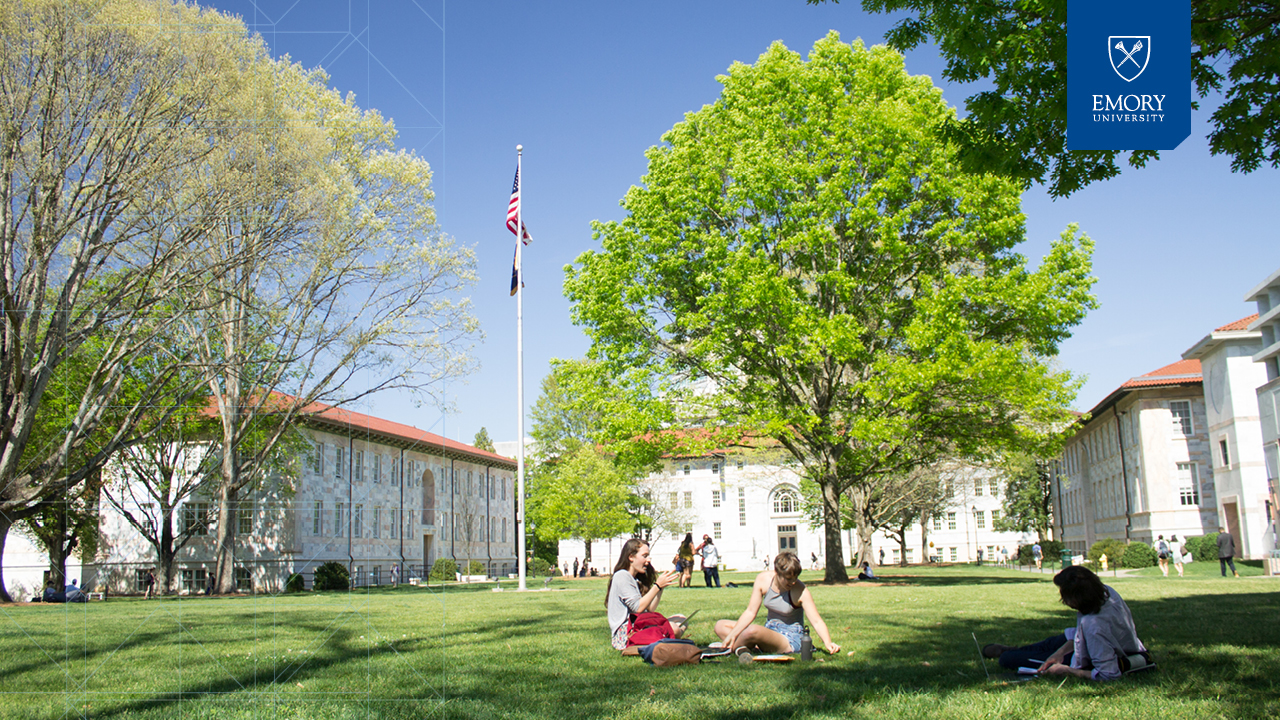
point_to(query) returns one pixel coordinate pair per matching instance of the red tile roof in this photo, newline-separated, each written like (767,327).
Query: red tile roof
(1241,324)
(404,433)
(1179,373)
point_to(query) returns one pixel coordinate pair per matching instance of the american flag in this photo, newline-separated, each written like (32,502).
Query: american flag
(513,209)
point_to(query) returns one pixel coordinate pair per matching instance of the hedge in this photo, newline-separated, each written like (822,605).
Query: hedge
(332,576)
(444,569)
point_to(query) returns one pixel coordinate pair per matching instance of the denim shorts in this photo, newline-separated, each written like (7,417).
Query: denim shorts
(792,632)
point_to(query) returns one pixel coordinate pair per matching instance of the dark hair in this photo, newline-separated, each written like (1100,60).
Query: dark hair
(787,565)
(629,550)
(688,543)
(1081,590)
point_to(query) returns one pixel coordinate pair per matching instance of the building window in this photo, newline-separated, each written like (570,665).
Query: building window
(395,527)
(375,575)
(784,502)
(1226,457)
(244,519)
(193,580)
(1188,484)
(244,580)
(408,533)
(1181,410)
(195,519)
(897,555)
(977,488)
(358,472)
(910,557)
(377,521)
(140,577)
(674,499)
(686,469)
(954,556)
(715,498)
(937,522)
(742,507)
(504,529)
(688,527)
(377,469)
(319,459)
(991,552)
(337,462)
(994,487)
(995,515)
(357,519)
(688,498)
(339,528)
(715,531)
(739,464)
(982,520)
(317,519)
(715,468)
(951,521)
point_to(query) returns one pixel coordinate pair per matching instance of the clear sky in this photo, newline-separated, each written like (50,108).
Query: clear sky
(586,87)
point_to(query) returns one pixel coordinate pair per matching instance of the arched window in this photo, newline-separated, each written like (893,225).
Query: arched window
(785,501)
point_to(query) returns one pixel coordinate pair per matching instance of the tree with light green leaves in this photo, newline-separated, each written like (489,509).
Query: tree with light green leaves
(1028,496)
(583,496)
(806,259)
(1018,126)
(482,441)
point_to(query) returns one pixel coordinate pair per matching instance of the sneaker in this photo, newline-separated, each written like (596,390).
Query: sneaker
(716,644)
(744,655)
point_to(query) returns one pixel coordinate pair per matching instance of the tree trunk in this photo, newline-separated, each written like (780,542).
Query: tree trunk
(5,523)
(224,542)
(166,554)
(924,540)
(586,555)
(902,548)
(835,571)
(862,523)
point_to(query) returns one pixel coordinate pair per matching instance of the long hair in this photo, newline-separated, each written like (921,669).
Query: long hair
(1081,590)
(688,543)
(645,579)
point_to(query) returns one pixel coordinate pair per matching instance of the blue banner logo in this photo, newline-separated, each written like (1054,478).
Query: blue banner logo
(1128,74)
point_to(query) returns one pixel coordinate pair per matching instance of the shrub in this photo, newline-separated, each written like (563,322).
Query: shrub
(1112,548)
(332,576)
(1138,555)
(1208,549)
(1192,545)
(444,569)
(1051,551)
(541,567)
(295,583)
(475,567)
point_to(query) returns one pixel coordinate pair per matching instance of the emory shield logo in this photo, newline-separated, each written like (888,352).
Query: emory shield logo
(1129,55)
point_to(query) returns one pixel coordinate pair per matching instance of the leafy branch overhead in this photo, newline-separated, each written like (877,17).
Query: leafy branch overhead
(1020,46)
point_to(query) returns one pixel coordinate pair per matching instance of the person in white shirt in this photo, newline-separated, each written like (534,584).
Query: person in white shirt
(710,561)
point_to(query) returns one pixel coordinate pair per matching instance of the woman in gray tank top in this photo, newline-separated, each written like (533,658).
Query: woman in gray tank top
(788,603)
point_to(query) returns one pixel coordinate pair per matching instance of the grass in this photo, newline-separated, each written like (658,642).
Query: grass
(470,653)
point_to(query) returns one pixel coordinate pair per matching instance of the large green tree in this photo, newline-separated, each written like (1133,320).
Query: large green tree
(583,496)
(1020,46)
(806,258)
(1028,495)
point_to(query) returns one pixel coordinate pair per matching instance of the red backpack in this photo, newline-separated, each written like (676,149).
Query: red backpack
(648,627)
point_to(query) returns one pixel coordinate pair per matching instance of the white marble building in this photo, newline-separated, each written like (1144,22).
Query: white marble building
(750,505)
(373,495)
(1267,297)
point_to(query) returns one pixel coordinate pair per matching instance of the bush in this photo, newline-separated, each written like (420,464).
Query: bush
(541,567)
(475,567)
(444,569)
(1112,548)
(1207,551)
(1050,549)
(295,583)
(332,576)
(1138,555)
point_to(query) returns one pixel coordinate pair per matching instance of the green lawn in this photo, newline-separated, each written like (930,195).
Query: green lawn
(463,653)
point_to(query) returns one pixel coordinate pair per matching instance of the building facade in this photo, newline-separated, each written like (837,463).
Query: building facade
(371,494)
(1266,295)
(750,504)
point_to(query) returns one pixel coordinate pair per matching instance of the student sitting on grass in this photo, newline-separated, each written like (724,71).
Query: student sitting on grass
(1098,646)
(788,602)
(634,588)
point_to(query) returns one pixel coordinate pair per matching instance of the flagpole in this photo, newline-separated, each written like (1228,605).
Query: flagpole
(520,503)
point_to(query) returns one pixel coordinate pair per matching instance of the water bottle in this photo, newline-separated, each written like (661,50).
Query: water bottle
(806,646)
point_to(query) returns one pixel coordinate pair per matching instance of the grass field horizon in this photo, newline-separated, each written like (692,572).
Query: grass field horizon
(473,653)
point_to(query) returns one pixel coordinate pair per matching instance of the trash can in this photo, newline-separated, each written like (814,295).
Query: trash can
(1066,558)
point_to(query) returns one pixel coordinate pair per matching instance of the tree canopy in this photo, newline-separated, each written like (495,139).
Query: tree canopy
(805,258)
(1019,127)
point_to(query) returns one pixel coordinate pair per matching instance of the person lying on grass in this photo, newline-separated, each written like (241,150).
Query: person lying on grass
(788,603)
(634,588)
(1104,634)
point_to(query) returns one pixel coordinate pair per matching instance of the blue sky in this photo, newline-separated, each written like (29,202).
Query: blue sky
(586,87)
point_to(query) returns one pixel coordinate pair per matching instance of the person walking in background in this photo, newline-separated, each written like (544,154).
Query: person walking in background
(1175,549)
(1038,554)
(1226,552)
(575,567)
(1162,555)
(150,583)
(710,560)
(881,557)
(395,576)
(1004,555)
(685,560)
